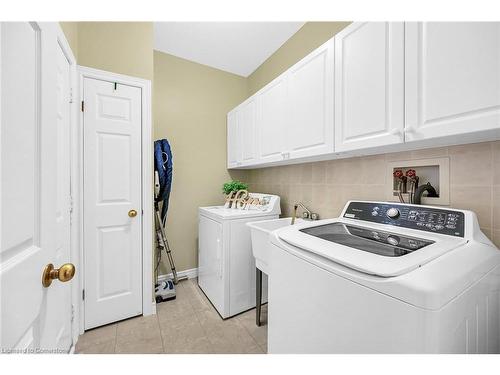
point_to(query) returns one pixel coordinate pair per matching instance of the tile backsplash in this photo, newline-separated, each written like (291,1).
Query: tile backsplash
(326,186)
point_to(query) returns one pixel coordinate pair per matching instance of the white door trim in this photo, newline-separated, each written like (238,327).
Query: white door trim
(74,218)
(148,304)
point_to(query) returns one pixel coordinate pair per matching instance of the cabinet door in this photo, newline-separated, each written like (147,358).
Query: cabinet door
(310,104)
(233,140)
(452,78)
(247,132)
(271,121)
(369,85)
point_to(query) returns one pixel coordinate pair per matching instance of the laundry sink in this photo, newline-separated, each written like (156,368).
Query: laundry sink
(261,245)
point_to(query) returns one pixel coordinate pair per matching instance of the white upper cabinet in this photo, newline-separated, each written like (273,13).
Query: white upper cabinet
(247,132)
(372,88)
(242,135)
(369,85)
(233,139)
(452,78)
(272,121)
(309,126)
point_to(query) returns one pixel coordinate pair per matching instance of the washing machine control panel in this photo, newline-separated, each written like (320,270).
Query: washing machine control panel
(435,220)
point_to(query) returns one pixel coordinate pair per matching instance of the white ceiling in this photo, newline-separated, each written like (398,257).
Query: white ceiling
(235,47)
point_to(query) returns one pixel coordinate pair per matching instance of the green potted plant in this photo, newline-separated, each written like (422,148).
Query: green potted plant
(233,186)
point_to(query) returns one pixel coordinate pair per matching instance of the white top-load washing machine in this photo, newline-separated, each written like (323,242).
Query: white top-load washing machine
(226,266)
(384,278)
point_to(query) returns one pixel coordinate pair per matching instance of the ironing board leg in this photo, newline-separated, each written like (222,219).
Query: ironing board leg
(258,290)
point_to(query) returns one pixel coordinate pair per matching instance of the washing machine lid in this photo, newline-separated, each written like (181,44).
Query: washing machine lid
(223,213)
(270,205)
(373,249)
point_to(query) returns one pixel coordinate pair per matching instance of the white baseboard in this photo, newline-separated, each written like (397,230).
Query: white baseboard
(190,274)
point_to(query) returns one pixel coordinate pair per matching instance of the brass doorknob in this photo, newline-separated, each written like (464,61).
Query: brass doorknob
(132,213)
(64,273)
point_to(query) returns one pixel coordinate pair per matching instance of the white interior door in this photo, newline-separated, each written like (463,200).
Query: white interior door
(112,192)
(452,78)
(369,85)
(34,190)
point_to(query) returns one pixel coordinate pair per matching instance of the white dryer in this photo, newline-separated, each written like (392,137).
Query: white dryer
(385,278)
(226,266)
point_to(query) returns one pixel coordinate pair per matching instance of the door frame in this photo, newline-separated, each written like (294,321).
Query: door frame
(74,234)
(148,303)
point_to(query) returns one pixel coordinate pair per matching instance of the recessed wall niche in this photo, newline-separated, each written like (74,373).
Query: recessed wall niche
(435,171)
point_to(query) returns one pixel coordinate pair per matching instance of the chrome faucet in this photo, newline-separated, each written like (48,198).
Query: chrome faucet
(306,215)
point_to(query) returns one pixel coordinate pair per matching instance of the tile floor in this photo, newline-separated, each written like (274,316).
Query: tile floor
(189,324)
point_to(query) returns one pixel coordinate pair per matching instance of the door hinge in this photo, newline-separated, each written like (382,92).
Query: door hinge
(83,105)
(71,94)
(72,313)
(83,294)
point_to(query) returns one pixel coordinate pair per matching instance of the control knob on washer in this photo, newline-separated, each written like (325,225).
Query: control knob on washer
(392,213)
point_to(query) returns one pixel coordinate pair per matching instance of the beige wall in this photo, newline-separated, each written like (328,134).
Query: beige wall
(70,30)
(191,102)
(308,38)
(326,186)
(118,47)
